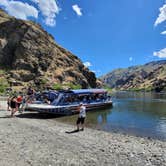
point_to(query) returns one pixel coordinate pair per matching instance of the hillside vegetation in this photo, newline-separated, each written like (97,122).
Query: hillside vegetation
(148,77)
(29,55)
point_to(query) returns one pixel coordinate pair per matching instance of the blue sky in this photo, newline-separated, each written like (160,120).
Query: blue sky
(105,35)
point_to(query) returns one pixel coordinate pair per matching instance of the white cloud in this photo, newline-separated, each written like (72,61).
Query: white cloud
(96,71)
(161,53)
(49,9)
(19,9)
(77,9)
(131,59)
(4,2)
(162,16)
(87,64)
(36,1)
(163,33)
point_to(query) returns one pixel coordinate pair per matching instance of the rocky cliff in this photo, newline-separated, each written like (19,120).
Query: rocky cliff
(150,77)
(28,54)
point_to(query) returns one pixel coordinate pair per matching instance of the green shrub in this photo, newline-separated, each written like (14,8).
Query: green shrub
(3,85)
(107,88)
(2,89)
(2,72)
(57,86)
(135,89)
(73,86)
(43,81)
(149,89)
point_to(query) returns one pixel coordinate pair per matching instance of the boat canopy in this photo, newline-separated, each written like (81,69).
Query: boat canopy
(89,91)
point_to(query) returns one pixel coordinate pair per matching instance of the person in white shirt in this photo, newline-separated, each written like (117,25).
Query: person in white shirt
(81,117)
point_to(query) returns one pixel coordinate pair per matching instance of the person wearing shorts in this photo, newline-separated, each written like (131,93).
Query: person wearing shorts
(13,105)
(81,117)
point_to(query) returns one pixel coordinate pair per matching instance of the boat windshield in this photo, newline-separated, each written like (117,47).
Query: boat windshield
(49,95)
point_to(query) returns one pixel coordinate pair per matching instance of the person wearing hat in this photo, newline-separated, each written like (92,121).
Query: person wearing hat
(81,117)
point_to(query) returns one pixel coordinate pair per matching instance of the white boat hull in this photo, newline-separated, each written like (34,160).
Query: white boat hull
(66,109)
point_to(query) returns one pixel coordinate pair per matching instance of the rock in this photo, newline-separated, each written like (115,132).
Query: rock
(28,53)
(149,77)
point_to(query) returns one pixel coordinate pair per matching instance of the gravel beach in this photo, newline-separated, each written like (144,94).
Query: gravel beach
(30,139)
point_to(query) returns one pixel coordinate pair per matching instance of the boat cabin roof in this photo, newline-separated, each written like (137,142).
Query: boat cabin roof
(87,91)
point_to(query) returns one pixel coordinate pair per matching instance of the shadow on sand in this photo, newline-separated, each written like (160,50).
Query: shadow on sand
(4,117)
(35,115)
(71,132)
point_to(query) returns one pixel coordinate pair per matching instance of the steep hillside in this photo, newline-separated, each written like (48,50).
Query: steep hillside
(28,54)
(151,76)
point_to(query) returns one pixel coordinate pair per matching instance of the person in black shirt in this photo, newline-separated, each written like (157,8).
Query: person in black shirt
(13,105)
(30,94)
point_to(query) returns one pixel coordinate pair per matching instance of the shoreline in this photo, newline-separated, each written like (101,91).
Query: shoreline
(3,107)
(34,140)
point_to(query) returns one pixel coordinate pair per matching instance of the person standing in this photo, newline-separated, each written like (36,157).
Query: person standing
(14,106)
(30,95)
(9,104)
(19,100)
(81,117)
(22,105)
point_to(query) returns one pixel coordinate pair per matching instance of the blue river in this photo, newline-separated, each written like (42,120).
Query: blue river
(141,114)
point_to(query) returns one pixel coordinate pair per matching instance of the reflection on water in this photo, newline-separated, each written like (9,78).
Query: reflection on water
(142,114)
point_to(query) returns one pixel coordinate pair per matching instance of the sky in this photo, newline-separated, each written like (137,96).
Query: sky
(104,34)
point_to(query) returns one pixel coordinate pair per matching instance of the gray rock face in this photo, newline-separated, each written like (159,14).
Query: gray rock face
(31,54)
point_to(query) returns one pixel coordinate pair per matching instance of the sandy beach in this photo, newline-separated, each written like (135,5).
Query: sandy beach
(30,139)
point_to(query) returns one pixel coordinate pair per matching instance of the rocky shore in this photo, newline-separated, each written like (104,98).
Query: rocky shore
(31,139)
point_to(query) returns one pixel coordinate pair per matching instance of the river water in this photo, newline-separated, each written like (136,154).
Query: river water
(140,114)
